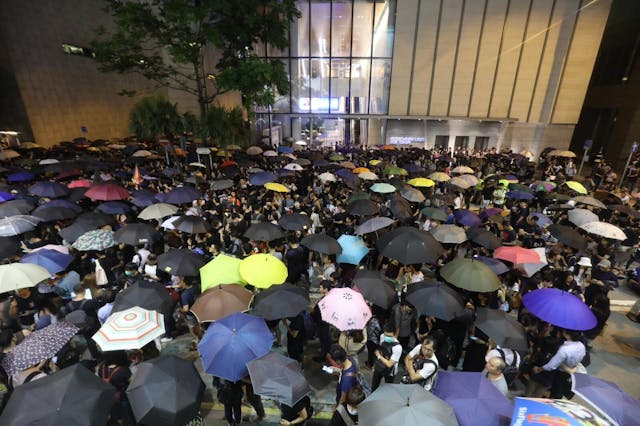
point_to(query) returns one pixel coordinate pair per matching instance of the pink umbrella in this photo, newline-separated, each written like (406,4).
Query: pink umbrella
(107,192)
(517,255)
(345,309)
(80,183)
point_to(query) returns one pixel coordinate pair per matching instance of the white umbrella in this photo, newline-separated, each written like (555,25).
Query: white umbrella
(449,234)
(15,225)
(116,146)
(368,176)
(604,229)
(581,216)
(327,177)
(531,268)
(196,164)
(294,166)
(158,211)
(301,143)
(168,224)
(58,248)
(254,150)
(21,275)
(48,161)
(129,329)
(590,201)
(142,153)
(270,153)
(462,170)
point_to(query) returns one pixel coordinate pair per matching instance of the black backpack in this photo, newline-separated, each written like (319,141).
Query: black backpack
(386,350)
(511,372)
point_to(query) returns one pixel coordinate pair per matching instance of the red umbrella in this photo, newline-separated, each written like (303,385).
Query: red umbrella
(107,192)
(68,173)
(517,255)
(81,183)
(228,163)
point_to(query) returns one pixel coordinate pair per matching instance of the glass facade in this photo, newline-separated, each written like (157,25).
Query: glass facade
(339,63)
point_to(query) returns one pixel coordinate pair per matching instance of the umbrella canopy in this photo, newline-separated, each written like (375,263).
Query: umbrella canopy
(439,177)
(276,187)
(52,260)
(363,207)
(561,153)
(484,238)
(354,249)
(406,405)
(50,214)
(261,178)
(560,308)
(517,255)
(223,269)
(568,236)
(9,247)
(278,377)
(504,329)
(434,298)
(129,329)
(71,396)
(589,201)
(421,182)
(165,391)
(15,207)
(475,400)
(530,269)
(383,188)
(220,301)
(230,343)
(537,411)
(413,195)
(221,184)
(36,347)
(279,302)
(409,245)
(607,397)
(16,225)
(20,176)
(345,309)
(374,224)
(48,189)
(470,274)
(14,276)
(368,176)
(114,207)
(264,231)
(107,192)
(467,218)
(180,195)
(191,224)
(375,288)
(295,222)
(435,213)
(322,243)
(449,234)
(496,266)
(95,219)
(263,270)
(181,262)
(520,195)
(135,234)
(146,295)
(604,229)
(462,170)
(254,150)
(460,182)
(73,232)
(577,186)
(98,239)
(157,211)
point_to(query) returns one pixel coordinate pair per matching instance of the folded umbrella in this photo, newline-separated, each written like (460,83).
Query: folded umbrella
(14,276)
(263,270)
(322,243)
(449,234)
(16,225)
(470,274)
(52,260)
(295,222)
(263,231)
(354,249)
(374,224)
(345,309)
(504,329)
(230,343)
(375,288)
(181,262)
(279,302)
(560,308)
(436,299)
(218,302)
(607,397)
(98,239)
(129,329)
(165,391)
(136,233)
(146,295)
(278,377)
(409,245)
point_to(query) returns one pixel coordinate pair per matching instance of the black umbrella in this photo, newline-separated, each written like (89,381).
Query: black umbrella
(147,295)
(504,329)
(219,185)
(363,207)
(322,243)
(48,189)
(95,219)
(400,207)
(71,396)
(624,209)
(114,207)
(483,237)
(136,233)
(568,236)
(180,195)
(264,231)
(295,222)
(15,207)
(409,245)
(280,301)
(9,247)
(436,299)
(375,288)
(181,262)
(73,232)
(278,377)
(191,224)
(51,214)
(165,391)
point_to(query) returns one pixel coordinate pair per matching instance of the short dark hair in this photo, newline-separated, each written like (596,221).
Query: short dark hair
(338,353)
(131,267)
(389,327)
(429,339)
(355,396)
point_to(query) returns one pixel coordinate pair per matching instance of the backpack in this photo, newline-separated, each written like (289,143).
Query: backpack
(418,363)
(386,350)
(103,374)
(361,381)
(447,352)
(511,372)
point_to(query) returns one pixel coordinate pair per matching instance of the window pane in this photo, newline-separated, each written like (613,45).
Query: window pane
(277,53)
(363,15)
(340,70)
(341,28)
(383,29)
(320,28)
(300,85)
(300,32)
(281,103)
(380,82)
(320,85)
(359,86)
(260,50)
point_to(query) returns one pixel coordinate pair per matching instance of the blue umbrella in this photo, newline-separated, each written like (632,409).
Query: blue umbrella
(353,249)
(520,195)
(345,173)
(285,172)
(143,200)
(59,203)
(48,189)
(114,207)
(230,343)
(52,260)
(260,178)
(413,168)
(495,265)
(607,397)
(475,400)
(467,218)
(21,177)
(180,195)
(5,196)
(285,149)
(560,308)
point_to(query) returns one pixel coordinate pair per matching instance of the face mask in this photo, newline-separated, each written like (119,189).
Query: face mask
(388,339)
(128,273)
(352,410)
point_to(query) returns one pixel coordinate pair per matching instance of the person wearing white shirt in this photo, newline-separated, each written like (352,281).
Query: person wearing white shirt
(388,356)
(567,359)
(421,364)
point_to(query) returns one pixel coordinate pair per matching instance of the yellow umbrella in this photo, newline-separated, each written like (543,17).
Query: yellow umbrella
(263,270)
(375,162)
(421,182)
(439,177)
(560,153)
(577,186)
(361,170)
(224,269)
(277,187)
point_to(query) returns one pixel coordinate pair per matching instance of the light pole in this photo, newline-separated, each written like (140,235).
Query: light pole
(587,146)
(634,148)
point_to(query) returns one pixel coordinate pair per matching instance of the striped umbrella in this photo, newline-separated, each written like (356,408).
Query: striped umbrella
(129,329)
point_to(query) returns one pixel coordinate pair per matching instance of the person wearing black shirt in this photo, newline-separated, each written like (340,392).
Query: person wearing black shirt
(347,414)
(296,415)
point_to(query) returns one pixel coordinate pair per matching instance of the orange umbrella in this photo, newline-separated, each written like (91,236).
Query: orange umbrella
(361,170)
(387,147)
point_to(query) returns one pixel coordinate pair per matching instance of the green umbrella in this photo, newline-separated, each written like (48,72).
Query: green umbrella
(394,170)
(435,214)
(470,274)
(336,157)
(224,269)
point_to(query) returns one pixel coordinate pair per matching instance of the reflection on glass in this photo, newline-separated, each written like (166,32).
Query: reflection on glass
(300,32)
(363,16)
(341,28)
(281,103)
(383,29)
(319,83)
(380,82)
(340,72)
(359,86)
(300,85)
(320,29)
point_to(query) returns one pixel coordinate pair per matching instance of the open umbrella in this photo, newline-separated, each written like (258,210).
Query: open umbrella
(14,276)
(607,397)
(363,207)
(449,234)
(276,187)
(374,224)
(409,245)
(221,184)
(135,234)
(436,299)
(467,218)
(15,207)
(261,178)
(263,231)
(406,405)
(146,295)
(383,188)
(181,262)
(48,189)
(413,195)
(368,176)
(496,266)
(95,219)
(504,329)
(230,343)
(114,207)
(282,301)
(530,269)
(604,229)
(218,302)
(560,308)
(129,329)
(354,249)
(223,269)
(98,239)
(16,225)
(180,195)
(484,238)
(475,400)
(421,182)
(470,274)
(439,177)
(322,243)
(589,201)
(295,222)
(9,247)
(107,192)
(577,187)
(73,232)
(435,213)
(71,396)
(345,309)
(158,211)
(52,260)
(568,236)
(191,224)
(278,377)
(263,270)
(165,391)
(36,347)
(51,214)
(517,254)
(555,412)
(375,288)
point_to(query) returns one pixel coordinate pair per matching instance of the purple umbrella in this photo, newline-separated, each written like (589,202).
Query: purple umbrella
(467,218)
(59,203)
(560,308)
(143,200)
(520,195)
(21,177)
(475,400)
(180,195)
(542,218)
(52,260)
(260,178)
(5,196)
(413,168)
(486,214)
(48,189)
(608,398)
(114,207)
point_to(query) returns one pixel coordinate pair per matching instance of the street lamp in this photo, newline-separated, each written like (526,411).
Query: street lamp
(634,148)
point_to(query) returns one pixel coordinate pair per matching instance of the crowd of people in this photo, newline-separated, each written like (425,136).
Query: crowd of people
(399,344)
